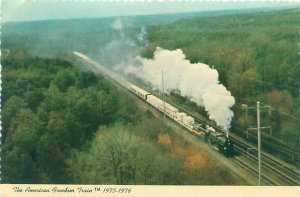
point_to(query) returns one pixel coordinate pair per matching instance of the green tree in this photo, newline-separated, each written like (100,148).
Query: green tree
(20,148)
(118,157)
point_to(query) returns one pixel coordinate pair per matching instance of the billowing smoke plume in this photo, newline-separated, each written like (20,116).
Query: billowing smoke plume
(197,81)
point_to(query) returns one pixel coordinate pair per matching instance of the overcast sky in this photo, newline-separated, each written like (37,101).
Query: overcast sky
(15,10)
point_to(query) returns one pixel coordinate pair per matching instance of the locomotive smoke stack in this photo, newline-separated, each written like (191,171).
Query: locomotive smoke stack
(197,81)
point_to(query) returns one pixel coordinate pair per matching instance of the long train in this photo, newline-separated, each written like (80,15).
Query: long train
(219,140)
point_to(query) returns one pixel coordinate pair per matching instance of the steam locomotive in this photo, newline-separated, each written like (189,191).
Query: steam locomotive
(219,140)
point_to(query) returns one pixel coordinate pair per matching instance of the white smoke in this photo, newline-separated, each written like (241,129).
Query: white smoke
(119,51)
(118,26)
(122,50)
(197,81)
(141,36)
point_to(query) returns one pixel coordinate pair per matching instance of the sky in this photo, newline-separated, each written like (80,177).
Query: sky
(22,10)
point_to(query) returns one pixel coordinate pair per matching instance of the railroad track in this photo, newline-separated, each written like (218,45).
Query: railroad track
(270,164)
(289,174)
(286,153)
(280,169)
(282,176)
(253,170)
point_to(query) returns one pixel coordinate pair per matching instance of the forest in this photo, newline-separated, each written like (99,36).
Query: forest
(62,124)
(256,56)
(255,53)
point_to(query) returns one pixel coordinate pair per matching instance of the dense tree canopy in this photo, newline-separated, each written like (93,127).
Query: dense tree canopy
(63,125)
(49,108)
(256,56)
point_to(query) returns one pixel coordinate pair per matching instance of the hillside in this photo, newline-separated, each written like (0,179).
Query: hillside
(63,125)
(256,57)
(52,109)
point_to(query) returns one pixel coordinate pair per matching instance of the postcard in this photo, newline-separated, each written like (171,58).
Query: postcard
(150,98)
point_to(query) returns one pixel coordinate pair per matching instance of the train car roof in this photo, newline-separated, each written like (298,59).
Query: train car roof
(139,89)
